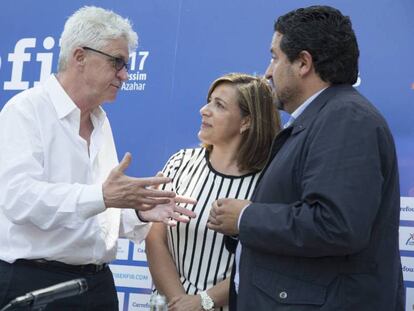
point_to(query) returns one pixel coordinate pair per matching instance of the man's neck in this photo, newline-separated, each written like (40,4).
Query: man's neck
(308,90)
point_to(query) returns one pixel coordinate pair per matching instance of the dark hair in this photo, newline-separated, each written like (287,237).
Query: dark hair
(255,100)
(327,35)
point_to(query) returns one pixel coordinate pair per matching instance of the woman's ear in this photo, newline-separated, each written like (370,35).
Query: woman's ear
(245,124)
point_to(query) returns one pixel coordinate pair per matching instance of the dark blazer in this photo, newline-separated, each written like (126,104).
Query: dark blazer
(322,231)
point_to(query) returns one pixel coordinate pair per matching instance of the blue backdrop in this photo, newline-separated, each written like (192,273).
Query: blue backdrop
(183,46)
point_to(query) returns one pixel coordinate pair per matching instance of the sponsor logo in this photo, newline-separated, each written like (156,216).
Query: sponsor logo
(20,56)
(410,240)
(139,302)
(406,237)
(25,56)
(137,76)
(407,264)
(131,276)
(141,305)
(139,252)
(407,208)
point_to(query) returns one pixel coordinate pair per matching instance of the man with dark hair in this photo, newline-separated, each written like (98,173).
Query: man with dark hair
(321,230)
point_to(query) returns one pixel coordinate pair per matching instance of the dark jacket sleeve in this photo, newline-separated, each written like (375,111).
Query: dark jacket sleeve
(231,243)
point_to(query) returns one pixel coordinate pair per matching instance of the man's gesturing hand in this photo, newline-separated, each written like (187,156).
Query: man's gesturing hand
(170,213)
(122,191)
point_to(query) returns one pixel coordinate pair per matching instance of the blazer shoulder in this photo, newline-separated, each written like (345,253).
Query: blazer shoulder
(347,102)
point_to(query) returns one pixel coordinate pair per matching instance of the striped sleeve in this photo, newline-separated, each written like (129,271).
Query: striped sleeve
(171,167)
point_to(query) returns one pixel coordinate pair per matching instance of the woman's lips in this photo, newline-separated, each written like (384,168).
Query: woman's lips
(205,125)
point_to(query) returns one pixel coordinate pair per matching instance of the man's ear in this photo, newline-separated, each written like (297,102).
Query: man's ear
(305,63)
(78,56)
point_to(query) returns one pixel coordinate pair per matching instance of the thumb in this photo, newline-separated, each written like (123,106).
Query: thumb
(126,161)
(221,201)
(159,174)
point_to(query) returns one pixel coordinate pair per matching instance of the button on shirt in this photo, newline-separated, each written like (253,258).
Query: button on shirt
(51,201)
(292,119)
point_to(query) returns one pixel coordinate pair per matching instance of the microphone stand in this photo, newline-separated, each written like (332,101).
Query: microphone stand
(37,300)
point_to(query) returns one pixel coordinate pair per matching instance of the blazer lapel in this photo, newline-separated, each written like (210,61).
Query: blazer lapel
(311,112)
(301,123)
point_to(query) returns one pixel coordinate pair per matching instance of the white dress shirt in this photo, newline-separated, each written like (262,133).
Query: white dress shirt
(292,119)
(51,201)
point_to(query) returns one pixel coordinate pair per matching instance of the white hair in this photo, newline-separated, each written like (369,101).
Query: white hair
(94,27)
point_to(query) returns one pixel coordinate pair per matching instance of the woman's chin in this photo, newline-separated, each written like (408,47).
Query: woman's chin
(203,139)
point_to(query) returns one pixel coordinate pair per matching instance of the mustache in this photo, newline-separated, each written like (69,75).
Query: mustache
(276,101)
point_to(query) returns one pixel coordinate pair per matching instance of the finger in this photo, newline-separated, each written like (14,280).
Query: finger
(159,174)
(213,212)
(186,200)
(213,218)
(214,221)
(154,193)
(220,202)
(126,160)
(149,203)
(147,206)
(184,211)
(170,222)
(218,208)
(173,301)
(154,181)
(213,227)
(171,307)
(180,218)
(217,203)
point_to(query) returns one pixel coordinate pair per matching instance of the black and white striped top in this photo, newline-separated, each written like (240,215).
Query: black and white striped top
(199,253)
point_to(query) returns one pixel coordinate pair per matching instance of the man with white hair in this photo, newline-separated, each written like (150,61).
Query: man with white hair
(64,200)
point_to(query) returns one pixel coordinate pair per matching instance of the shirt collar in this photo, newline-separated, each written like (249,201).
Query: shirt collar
(65,106)
(295,114)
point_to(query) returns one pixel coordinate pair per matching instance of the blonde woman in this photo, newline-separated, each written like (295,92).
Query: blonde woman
(189,263)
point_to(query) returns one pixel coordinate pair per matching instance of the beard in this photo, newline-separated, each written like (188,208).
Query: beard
(284,97)
(276,101)
(287,99)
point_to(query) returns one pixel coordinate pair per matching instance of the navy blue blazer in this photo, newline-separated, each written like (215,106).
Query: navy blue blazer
(322,231)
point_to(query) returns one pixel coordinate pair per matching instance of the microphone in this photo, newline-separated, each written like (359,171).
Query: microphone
(41,297)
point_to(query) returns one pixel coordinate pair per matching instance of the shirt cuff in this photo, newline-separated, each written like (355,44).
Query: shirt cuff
(91,201)
(240,216)
(140,217)
(132,228)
